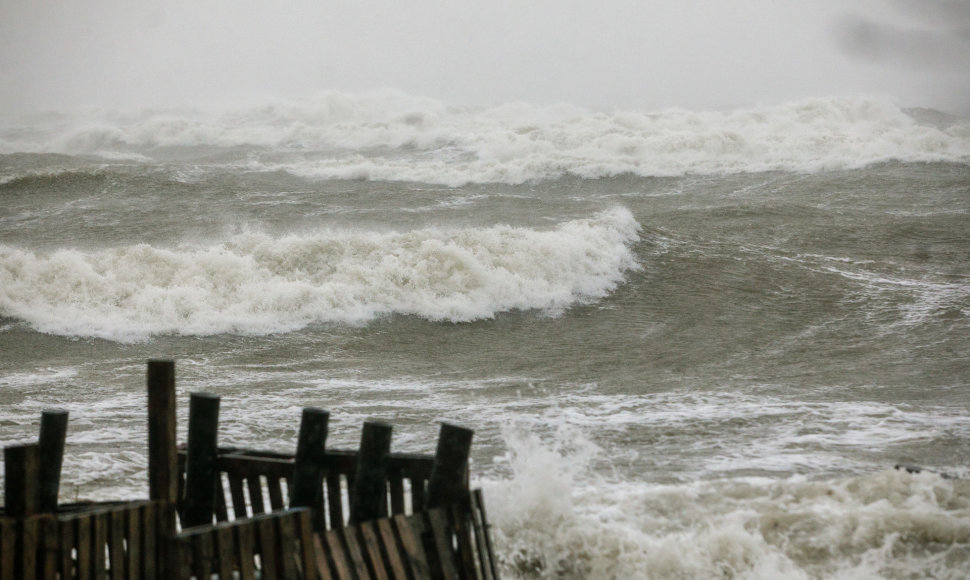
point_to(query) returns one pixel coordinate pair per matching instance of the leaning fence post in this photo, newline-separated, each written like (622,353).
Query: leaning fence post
(369,500)
(307,488)
(162,465)
(448,481)
(53,434)
(201,472)
(20,476)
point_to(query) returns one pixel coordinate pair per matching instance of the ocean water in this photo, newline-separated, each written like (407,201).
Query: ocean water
(693,344)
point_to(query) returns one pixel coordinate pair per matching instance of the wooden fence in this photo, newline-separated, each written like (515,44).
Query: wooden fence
(237,513)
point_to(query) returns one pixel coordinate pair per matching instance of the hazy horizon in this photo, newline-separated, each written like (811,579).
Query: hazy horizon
(614,55)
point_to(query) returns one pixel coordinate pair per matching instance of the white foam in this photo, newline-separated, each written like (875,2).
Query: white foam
(392,136)
(556,519)
(259,284)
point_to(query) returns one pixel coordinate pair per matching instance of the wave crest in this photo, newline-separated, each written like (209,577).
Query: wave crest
(258,284)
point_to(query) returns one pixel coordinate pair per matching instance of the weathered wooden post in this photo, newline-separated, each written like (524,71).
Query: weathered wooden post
(448,483)
(369,500)
(20,477)
(307,488)
(201,472)
(162,458)
(53,434)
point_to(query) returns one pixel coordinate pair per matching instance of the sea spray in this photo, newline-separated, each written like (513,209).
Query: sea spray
(554,517)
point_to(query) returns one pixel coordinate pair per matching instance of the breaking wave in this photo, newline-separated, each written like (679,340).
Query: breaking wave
(255,283)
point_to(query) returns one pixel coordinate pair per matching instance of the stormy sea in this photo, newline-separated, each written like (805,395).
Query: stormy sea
(691,343)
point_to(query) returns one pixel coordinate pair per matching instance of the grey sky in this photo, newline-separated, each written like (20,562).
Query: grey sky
(641,54)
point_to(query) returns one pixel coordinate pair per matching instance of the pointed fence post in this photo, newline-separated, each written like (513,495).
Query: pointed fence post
(448,483)
(307,489)
(53,434)
(201,471)
(369,500)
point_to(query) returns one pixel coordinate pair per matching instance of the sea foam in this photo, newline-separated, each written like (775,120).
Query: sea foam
(255,283)
(397,137)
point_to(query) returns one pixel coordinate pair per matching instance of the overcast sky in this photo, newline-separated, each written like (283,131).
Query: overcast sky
(644,54)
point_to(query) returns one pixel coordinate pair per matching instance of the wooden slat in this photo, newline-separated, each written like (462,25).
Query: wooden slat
(29,547)
(396,488)
(320,563)
(394,559)
(482,536)
(238,496)
(335,506)
(354,552)
(408,532)
(116,548)
(268,554)
(441,534)
(338,556)
(49,544)
(371,549)
(151,523)
(255,494)
(226,551)
(304,525)
(85,552)
(99,543)
(275,492)
(459,519)
(418,495)
(133,523)
(68,542)
(221,509)
(8,543)
(286,531)
(246,544)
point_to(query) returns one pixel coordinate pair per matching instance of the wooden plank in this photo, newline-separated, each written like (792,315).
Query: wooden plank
(226,551)
(66,533)
(441,543)
(275,493)
(29,548)
(396,484)
(371,549)
(246,544)
(50,541)
(116,540)
(308,464)
(201,473)
(221,509)
(482,536)
(85,547)
(335,504)
(99,543)
(288,547)
(392,551)
(448,482)
(255,494)
(268,552)
(206,554)
(304,526)
(338,556)
(355,553)
(459,518)
(408,532)
(163,474)
(150,540)
(418,495)
(20,478)
(320,563)
(238,496)
(8,549)
(369,500)
(50,444)
(133,541)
